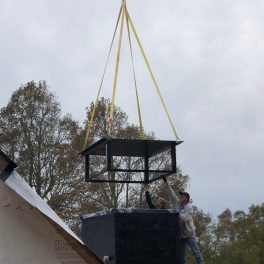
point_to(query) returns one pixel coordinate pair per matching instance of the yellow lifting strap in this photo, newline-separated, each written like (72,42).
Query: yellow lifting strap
(123,11)
(110,121)
(151,73)
(135,81)
(101,83)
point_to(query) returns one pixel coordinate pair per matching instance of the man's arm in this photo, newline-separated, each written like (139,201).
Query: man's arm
(173,197)
(148,198)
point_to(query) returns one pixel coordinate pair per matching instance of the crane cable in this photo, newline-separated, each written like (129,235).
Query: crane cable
(101,83)
(110,121)
(135,80)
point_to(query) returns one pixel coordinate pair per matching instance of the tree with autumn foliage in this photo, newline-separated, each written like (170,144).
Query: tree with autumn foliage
(46,145)
(43,143)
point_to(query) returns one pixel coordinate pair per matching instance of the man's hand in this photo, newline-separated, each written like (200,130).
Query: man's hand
(146,187)
(164,179)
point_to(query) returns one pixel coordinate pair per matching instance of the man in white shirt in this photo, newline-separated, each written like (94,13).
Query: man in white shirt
(188,237)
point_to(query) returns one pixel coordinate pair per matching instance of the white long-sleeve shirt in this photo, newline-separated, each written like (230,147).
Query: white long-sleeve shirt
(185,214)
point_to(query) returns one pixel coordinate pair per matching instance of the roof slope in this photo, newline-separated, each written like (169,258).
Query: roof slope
(31,232)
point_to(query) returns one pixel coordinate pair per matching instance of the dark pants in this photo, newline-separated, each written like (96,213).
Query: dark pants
(191,242)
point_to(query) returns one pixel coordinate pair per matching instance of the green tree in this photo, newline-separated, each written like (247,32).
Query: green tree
(43,142)
(204,227)
(46,146)
(239,237)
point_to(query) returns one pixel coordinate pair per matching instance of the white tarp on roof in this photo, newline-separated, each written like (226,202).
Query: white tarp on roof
(32,233)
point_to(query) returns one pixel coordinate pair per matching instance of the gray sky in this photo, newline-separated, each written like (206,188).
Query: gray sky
(208,58)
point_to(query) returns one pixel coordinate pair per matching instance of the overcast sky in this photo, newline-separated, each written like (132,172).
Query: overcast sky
(207,56)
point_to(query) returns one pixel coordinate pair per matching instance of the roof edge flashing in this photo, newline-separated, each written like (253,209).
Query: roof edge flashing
(7,166)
